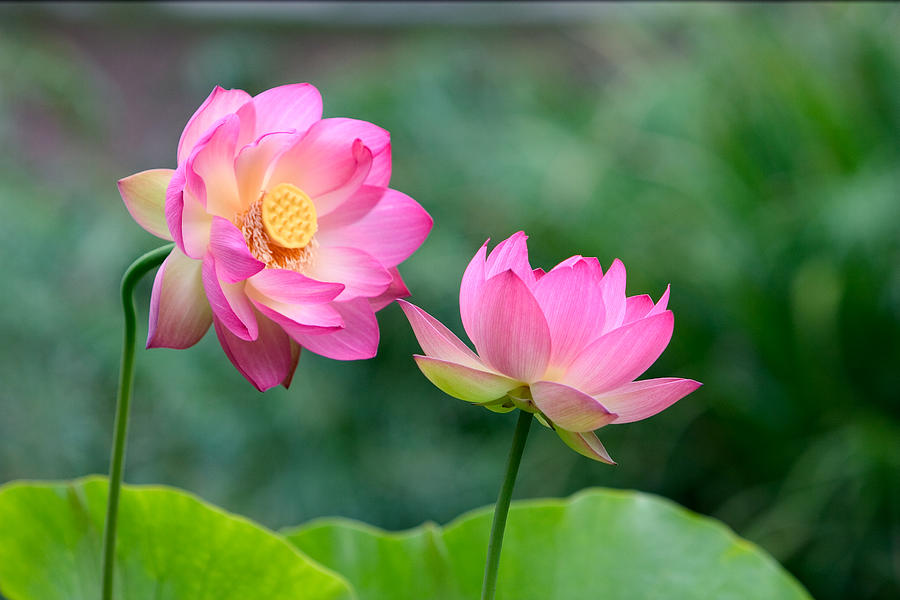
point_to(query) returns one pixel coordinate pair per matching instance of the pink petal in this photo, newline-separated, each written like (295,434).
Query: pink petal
(316,318)
(300,319)
(396,290)
(229,303)
(356,206)
(362,275)
(641,399)
(511,334)
(386,223)
(220,103)
(569,408)
(234,262)
(590,263)
(330,201)
(375,138)
(295,358)
(179,311)
(295,106)
(585,444)
(596,271)
(144,195)
(293,288)
(175,207)
(511,254)
(195,228)
(465,383)
(569,262)
(358,339)
(573,306)
(436,340)
(637,307)
(538,273)
(470,290)
(325,159)
(186,218)
(254,162)
(210,169)
(266,361)
(662,304)
(612,287)
(380,173)
(620,355)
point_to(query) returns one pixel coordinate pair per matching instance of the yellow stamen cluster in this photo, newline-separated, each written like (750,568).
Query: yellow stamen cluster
(279,228)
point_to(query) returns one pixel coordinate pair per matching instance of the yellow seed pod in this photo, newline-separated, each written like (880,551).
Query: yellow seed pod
(289,216)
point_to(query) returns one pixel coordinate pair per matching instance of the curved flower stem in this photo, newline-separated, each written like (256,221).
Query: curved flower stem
(502,507)
(135,272)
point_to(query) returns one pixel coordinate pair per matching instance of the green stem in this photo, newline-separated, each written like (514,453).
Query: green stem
(135,272)
(502,508)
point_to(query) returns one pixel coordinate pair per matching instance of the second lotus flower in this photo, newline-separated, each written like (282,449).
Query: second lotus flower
(286,234)
(567,344)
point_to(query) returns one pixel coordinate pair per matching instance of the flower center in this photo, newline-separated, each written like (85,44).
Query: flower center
(280,228)
(289,216)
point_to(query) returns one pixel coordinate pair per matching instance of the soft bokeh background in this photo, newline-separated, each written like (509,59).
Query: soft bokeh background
(748,155)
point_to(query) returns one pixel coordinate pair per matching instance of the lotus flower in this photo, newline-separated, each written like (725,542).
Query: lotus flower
(286,234)
(566,345)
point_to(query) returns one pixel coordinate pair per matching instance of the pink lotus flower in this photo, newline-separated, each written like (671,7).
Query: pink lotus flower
(566,345)
(286,234)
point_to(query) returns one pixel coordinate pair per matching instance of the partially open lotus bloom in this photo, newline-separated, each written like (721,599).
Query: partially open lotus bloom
(286,234)
(566,345)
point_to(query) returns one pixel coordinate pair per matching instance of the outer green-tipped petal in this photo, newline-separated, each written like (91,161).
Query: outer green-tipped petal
(144,195)
(471,385)
(586,444)
(436,340)
(569,408)
(179,311)
(499,407)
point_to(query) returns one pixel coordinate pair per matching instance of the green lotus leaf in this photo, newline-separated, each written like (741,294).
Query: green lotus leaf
(602,544)
(171,546)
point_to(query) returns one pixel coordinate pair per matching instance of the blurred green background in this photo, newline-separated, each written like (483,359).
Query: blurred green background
(748,155)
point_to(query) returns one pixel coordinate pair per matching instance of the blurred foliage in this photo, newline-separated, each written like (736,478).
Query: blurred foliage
(747,154)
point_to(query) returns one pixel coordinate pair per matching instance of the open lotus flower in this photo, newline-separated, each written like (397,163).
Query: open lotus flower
(566,345)
(286,234)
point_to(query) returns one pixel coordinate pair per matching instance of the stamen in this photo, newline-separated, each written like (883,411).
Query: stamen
(250,222)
